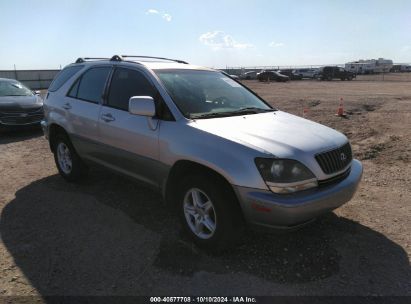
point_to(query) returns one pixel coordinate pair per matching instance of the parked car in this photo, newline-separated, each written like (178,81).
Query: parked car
(19,106)
(306,73)
(218,153)
(333,72)
(251,75)
(290,73)
(266,75)
(236,77)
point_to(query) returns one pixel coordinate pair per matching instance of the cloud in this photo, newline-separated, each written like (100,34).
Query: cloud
(167,17)
(219,40)
(152,11)
(276,44)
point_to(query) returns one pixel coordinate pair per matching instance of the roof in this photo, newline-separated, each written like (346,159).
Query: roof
(152,63)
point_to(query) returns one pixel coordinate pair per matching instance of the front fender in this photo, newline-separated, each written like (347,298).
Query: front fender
(232,160)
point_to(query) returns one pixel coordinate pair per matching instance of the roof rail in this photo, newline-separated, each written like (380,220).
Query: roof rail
(116,58)
(151,57)
(84,59)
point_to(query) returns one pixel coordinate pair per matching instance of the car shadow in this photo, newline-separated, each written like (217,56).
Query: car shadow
(105,235)
(13,135)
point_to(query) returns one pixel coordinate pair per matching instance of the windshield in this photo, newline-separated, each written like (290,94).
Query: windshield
(13,88)
(205,94)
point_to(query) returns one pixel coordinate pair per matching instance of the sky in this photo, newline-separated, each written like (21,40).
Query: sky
(46,34)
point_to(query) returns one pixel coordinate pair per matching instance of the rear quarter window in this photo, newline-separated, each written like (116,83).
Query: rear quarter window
(63,76)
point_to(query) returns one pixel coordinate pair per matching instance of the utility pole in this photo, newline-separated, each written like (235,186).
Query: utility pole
(15,72)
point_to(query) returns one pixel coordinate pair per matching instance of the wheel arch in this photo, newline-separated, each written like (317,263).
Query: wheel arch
(54,130)
(184,168)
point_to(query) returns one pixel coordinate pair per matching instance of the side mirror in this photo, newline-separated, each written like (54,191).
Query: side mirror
(37,92)
(142,105)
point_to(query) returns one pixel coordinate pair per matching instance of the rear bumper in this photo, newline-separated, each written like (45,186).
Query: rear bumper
(45,128)
(262,208)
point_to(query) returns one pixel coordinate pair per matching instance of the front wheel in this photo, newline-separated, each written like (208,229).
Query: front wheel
(209,212)
(68,163)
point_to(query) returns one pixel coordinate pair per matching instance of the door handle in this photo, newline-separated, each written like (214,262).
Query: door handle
(107,117)
(67,106)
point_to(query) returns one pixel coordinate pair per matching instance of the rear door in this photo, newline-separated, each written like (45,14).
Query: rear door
(129,142)
(83,103)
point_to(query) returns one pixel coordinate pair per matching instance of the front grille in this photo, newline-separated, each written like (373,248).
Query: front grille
(335,160)
(18,110)
(21,117)
(15,120)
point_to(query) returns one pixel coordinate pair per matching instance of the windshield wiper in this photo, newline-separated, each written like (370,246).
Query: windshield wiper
(253,110)
(210,115)
(243,111)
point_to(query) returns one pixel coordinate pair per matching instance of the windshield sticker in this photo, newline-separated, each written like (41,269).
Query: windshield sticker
(231,82)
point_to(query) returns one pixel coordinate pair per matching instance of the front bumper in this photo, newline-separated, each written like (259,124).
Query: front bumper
(270,210)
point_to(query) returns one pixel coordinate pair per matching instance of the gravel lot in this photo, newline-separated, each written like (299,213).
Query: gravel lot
(112,236)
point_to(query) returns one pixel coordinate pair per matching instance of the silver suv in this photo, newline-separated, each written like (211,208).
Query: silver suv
(220,154)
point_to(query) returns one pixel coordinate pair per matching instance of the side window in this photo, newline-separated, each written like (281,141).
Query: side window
(91,84)
(126,83)
(63,76)
(74,89)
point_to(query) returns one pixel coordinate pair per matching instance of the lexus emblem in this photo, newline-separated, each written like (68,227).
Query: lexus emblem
(343,157)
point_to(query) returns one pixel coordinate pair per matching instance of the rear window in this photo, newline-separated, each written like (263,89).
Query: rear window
(63,76)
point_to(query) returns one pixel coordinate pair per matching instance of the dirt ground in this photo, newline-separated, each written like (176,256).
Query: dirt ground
(111,236)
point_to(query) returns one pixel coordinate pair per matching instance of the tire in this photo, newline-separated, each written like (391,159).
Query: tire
(220,222)
(69,164)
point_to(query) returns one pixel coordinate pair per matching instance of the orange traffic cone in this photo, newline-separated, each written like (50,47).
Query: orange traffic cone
(305,112)
(340,110)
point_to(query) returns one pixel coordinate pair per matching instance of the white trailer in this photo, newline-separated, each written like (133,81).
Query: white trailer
(369,66)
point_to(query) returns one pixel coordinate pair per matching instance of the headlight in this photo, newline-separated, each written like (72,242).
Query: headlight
(285,175)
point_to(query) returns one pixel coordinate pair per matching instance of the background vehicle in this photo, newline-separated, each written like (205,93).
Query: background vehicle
(306,73)
(333,72)
(290,73)
(251,75)
(19,106)
(219,153)
(266,75)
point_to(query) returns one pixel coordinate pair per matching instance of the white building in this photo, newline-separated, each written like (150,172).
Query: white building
(369,66)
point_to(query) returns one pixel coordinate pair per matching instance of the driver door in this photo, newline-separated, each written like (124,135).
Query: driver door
(129,142)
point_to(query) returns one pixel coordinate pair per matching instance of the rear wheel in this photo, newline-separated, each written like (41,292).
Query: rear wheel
(68,163)
(209,213)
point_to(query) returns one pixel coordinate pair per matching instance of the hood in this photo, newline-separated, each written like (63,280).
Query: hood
(277,133)
(17,103)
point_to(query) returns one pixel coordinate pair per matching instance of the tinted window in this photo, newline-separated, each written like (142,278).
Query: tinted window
(125,84)
(92,84)
(63,76)
(74,89)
